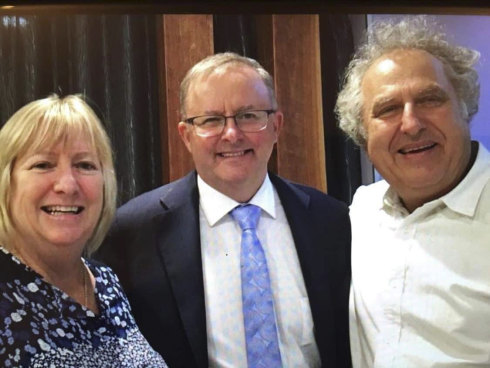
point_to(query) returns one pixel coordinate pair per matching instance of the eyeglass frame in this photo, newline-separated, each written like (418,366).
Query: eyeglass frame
(268,111)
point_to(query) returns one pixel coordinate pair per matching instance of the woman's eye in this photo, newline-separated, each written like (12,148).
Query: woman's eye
(87,165)
(44,165)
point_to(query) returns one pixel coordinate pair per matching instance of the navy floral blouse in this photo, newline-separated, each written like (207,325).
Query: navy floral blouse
(42,327)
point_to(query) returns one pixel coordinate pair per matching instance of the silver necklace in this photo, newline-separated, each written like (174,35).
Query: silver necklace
(84,277)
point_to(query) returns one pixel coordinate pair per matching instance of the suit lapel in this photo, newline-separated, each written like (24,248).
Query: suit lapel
(311,254)
(180,249)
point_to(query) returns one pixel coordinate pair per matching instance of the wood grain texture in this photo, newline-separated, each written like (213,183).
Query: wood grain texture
(297,72)
(186,40)
(265,56)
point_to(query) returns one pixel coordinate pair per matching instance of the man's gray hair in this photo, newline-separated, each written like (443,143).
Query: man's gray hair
(413,32)
(213,62)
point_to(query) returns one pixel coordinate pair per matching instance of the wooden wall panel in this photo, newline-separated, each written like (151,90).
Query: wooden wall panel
(186,40)
(297,72)
(265,56)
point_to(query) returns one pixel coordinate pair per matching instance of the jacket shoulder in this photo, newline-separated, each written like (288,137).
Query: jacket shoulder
(150,203)
(316,197)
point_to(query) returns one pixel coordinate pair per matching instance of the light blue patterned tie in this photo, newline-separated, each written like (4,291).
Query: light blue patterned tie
(258,306)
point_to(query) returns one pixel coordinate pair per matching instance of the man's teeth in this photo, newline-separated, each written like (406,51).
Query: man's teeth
(416,149)
(60,210)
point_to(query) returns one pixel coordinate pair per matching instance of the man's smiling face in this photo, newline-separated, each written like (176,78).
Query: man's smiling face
(417,137)
(232,162)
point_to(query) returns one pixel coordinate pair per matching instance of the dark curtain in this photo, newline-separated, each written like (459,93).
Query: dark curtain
(235,33)
(111,60)
(342,154)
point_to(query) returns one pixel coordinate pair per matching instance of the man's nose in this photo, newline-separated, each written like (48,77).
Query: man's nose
(231,131)
(411,123)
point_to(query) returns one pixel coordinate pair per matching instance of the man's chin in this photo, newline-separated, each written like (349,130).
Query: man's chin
(429,181)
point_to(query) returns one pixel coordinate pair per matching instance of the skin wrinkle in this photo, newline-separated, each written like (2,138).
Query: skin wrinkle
(420,97)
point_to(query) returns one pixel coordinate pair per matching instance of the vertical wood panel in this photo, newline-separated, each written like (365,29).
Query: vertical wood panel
(297,72)
(265,56)
(186,40)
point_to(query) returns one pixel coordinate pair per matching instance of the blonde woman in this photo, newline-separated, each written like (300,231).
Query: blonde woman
(57,199)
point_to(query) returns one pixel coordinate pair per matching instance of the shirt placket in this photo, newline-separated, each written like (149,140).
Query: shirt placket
(388,344)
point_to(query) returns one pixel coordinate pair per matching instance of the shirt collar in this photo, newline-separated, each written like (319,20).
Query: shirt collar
(216,205)
(464,197)
(392,201)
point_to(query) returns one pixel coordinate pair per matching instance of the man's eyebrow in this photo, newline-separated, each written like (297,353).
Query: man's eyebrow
(247,107)
(221,113)
(382,101)
(432,90)
(423,92)
(211,113)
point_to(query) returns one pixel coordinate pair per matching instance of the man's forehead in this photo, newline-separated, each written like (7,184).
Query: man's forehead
(228,74)
(223,71)
(235,88)
(404,54)
(409,69)
(406,63)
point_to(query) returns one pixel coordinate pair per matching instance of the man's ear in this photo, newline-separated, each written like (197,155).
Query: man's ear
(278,122)
(185,132)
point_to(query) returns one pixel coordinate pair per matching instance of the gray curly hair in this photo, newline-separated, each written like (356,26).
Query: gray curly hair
(416,32)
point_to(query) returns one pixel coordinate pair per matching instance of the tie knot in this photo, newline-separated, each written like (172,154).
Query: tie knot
(247,216)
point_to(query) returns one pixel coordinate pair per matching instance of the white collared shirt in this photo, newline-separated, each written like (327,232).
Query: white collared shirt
(420,293)
(220,248)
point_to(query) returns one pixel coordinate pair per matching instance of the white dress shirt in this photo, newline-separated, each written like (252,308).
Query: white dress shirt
(220,248)
(420,293)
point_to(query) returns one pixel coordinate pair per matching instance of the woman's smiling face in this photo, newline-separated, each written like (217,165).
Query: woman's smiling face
(57,196)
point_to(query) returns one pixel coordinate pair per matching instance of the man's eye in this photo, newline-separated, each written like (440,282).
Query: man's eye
(248,115)
(386,110)
(431,101)
(210,120)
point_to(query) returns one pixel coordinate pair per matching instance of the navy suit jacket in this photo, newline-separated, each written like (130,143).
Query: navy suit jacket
(154,247)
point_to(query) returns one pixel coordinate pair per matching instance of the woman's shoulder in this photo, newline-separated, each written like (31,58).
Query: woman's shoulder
(109,290)
(100,269)
(106,281)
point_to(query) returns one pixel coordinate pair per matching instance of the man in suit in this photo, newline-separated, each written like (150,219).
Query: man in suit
(177,249)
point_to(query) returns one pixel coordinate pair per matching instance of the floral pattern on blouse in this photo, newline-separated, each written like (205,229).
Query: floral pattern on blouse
(41,326)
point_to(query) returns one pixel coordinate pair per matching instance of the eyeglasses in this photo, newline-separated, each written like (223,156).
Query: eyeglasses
(249,121)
